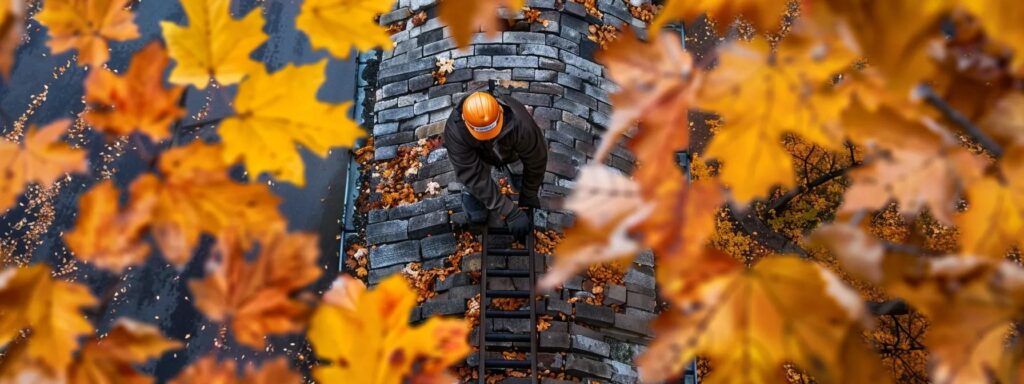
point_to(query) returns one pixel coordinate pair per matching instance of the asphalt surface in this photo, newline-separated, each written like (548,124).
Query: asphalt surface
(156,292)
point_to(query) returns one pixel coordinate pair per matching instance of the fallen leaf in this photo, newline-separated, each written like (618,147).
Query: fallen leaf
(209,370)
(41,158)
(1001,20)
(112,359)
(466,17)
(135,101)
(271,120)
(31,299)
(341,25)
(255,297)
(214,44)
(107,236)
(12,24)
(88,26)
(368,338)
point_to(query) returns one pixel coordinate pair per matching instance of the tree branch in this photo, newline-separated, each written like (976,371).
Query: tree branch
(928,95)
(783,201)
(203,123)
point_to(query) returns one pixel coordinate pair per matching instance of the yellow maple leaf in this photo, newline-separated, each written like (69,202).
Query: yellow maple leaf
(1001,19)
(111,359)
(763,14)
(41,158)
(340,25)
(209,370)
(367,337)
(214,45)
(762,94)
(136,101)
(107,236)
(782,310)
(994,220)
(271,121)
(255,297)
(87,25)
(466,17)
(31,299)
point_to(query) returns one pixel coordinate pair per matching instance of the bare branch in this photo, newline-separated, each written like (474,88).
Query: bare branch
(928,95)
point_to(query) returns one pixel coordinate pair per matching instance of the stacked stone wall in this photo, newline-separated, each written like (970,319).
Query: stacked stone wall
(551,69)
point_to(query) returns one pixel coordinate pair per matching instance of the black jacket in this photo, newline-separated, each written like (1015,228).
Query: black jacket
(520,139)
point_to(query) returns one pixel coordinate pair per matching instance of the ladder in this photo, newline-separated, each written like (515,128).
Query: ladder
(488,340)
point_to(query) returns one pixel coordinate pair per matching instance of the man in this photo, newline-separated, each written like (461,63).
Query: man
(485,131)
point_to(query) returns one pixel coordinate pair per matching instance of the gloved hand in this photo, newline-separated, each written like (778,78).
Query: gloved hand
(519,224)
(531,201)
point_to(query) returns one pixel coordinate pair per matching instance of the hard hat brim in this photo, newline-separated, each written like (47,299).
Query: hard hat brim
(488,135)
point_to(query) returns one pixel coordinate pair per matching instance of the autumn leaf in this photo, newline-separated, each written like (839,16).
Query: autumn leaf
(255,297)
(607,204)
(31,299)
(367,338)
(762,14)
(12,24)
(42,158)
(271,120)
(107,236)
(88,26)
(136,101)
(213,45)
(209,370)
(762,94)
(1005,119)
(782,310)
(1001,19)
(197,196)
(993,222)
(341,25)
(466,17)
(112,358)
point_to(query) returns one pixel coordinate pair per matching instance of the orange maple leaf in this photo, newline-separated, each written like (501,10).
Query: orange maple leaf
(12,23)
(87,25)
(255,297)
(108,236)
(42,158)
(111,359)
(466,17)
(209,370)
(136,101)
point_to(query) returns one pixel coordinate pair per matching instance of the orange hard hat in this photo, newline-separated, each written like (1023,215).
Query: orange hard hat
(483,115)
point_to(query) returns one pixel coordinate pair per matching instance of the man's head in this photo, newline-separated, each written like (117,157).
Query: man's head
(483,115)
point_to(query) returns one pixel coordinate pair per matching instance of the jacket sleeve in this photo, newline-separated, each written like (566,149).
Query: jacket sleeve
(476,175)
(533,151)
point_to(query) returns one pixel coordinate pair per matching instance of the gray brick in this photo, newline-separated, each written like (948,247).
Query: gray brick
(595,92)
(421,82)
(416,209)
(595,315)
(600,118)
(394,139)
(514,61)
(538,50)
(575,9)
(438,245)
(384,129)
(546,113)
(470,263)
(393,16)
(556,306)
(413,123)
(561,43)
(410,99)
(614,294)
(494,49)
(434,104)
(552,64)
(387,232)
(379,274)
(432,129)
(586,367)
(570,81)
(377,215)
(454,280)
(446,89)
(545,75)
(535,99)
(523,37)
(547,88)
(434,169)
(574,132)
(394,114)
(590,345)
(634,323)
(478,61)
(581,98)
(443,308)
(491,74)
(437,154)
(622,372)
(438,46)
(641,301)
(397,253)
(461,74)
(428,37)
(555,338)
(385,153)
(635,279)
(394,89)
(523,73)
(432,223)
(405,71)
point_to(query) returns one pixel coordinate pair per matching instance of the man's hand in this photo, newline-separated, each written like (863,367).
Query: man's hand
(519,224)
(529,201)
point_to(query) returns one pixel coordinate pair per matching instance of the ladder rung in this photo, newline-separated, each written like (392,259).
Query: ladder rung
(508,252)
(508,273)
(513,337)
(494,293)
(506,364)
(498,314)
